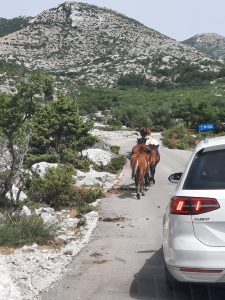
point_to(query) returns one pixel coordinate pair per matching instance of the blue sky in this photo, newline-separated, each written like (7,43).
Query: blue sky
(179,19)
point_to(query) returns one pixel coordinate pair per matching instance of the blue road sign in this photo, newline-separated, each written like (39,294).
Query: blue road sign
(206,127)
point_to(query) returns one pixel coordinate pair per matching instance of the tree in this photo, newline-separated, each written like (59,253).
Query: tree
(161,117)
(15,126)
(57,126)
(185,110)
(36,86)
(132,116)
(14,140)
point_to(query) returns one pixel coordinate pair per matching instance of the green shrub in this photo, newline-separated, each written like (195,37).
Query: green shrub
(114,123)
(56,188)
(99,167)
(88,195)
(18,231)
(115,149)
(30,204)
(84,209)
(82,164)
(69,156)
(179,137)
(82,221)
(182,145)
(117,163)
(35,158)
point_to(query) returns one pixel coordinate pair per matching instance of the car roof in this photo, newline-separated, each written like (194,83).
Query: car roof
(210,142)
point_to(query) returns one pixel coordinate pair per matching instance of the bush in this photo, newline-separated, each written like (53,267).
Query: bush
(69,156)
(82,164)
(33,159)
(56,188)
(82,222)
(88,195)
(18,231)
(117,163)
(115,149)
(84,209)
(179,137)
(30,204)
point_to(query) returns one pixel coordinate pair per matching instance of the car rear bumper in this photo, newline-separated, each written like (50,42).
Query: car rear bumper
(206,264)
(201,277)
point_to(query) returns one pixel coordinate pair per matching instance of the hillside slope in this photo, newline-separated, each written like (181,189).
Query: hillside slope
(83,43)
(211,44)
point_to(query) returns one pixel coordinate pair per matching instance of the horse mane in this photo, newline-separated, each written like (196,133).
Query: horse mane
(144,149)
(141,140)
(153,147)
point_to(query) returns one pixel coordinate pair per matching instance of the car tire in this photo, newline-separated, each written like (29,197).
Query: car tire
(172,283)
(170,280)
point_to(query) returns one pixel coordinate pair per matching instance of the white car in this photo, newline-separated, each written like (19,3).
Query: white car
(194,222)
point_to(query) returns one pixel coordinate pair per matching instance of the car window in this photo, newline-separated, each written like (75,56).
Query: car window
(207,171)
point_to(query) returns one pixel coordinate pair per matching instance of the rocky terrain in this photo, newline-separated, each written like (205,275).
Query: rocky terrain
(211,44)
(82,43)
(27,271)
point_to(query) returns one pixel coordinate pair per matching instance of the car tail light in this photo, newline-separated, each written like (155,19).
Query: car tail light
(190,270)
(192,205)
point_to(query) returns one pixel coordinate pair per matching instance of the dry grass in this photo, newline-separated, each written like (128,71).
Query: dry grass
(6,250)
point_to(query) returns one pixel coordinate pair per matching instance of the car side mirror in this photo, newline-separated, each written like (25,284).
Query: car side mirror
(175,177)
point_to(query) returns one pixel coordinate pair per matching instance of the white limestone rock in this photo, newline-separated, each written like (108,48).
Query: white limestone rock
(99,156)
(15,190)
(69,222)
(48,215)
(103,179)
(25,211)
(41,167)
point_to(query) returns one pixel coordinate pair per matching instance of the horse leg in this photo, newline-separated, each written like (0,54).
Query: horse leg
(142,188)
(153,173)
(147,178)
(137,182)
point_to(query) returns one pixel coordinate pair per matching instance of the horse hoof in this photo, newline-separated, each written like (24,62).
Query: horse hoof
(138,196)
(143,194)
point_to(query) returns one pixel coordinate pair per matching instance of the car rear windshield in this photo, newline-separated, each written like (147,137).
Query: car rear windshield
(207,171)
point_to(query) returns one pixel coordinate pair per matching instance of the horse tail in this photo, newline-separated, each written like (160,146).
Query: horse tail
(134,166)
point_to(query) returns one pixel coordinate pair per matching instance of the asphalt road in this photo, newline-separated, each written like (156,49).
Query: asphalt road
(124,259)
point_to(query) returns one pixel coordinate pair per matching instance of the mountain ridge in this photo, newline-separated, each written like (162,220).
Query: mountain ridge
(83,43)
(211,44)
(8,26)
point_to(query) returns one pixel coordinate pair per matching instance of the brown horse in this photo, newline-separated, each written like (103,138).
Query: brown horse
(154,160)
(141,148)
(139,165)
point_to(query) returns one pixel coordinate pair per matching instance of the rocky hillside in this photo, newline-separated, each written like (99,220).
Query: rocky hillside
(211,44)
(82,43)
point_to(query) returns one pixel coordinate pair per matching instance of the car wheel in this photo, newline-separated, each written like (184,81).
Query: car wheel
(170,281)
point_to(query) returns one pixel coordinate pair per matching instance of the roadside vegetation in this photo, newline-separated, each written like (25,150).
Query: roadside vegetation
(17,231)
(158,108)
(35,128)
(175,111)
